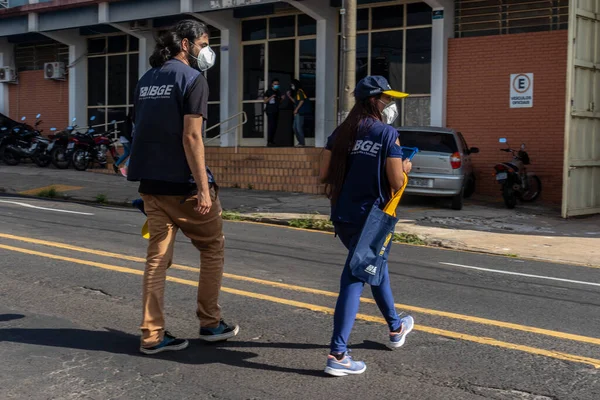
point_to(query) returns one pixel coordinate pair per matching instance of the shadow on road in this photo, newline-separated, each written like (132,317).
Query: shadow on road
(10,317)
(117,342)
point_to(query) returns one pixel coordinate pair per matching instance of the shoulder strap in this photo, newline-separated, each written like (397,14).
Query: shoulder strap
(392,205)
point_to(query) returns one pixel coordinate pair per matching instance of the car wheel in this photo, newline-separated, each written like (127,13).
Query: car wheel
(470,187)
(458,201)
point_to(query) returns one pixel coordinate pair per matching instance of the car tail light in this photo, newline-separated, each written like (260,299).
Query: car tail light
(455,160)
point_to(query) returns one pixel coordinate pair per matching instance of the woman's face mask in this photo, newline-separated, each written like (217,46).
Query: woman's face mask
(205,60)
(275,87)
(390,112)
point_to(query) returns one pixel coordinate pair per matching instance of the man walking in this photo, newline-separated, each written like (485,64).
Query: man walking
(178,190)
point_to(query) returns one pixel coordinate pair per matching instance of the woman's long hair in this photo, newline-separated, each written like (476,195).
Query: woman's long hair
(168,44)
(346,135)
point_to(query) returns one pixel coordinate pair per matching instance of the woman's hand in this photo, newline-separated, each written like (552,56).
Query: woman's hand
(406,165)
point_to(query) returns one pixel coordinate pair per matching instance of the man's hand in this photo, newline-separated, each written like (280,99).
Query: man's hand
(204,203)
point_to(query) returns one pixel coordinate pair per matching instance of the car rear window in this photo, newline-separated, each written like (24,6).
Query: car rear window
(429,141)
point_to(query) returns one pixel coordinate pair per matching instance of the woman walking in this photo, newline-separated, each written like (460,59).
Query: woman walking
(362,165)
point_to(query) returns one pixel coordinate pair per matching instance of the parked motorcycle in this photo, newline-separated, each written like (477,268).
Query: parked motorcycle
(92,147)
(25,141)
(59,152)
(515,181)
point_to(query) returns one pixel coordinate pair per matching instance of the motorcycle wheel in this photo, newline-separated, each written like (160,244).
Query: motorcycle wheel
(9,157)
(534,188)
(59,158)
(80,161)
(42,161)
(509,196)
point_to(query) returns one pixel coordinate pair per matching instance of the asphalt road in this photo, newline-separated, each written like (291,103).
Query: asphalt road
(487,327)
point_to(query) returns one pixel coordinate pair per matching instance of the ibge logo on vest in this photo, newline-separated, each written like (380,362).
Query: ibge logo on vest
(366,147)
(156,92)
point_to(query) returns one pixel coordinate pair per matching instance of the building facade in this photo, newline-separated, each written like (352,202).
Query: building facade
(455,58)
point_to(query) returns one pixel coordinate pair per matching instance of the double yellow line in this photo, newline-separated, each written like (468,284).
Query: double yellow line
(313,307)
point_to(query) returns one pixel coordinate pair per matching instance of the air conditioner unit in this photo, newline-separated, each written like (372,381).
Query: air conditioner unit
(7,74)
(140,25)
(54,70)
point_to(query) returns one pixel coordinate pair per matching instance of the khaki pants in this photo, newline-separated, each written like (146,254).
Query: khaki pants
(166,215)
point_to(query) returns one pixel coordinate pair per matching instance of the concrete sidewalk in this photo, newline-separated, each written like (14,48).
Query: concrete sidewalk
(529,231)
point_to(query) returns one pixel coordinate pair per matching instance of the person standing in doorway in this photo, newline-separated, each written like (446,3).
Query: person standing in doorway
(361,166)
(125,139)
(272,100)
(300,101)
(177,188)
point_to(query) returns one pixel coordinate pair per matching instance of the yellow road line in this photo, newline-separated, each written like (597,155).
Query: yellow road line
(313,307)
(58,188)
(422,310)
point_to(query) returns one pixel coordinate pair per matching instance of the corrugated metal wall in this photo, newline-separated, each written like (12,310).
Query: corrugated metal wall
(581,191)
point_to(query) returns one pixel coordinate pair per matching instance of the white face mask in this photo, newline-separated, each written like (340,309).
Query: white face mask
(390,113)
(206,58)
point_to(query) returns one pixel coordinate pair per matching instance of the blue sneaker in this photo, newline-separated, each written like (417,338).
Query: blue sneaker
(345,366)
(221,332)
(397,339)
(169,343)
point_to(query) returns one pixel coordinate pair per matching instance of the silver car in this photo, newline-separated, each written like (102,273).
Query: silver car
(443,165)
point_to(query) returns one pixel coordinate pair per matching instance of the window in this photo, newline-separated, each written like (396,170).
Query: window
(254,29)
(112,77)
(307,65)
(429,141)
(395,42)
(213,76)
(33,57)
(388,17)
(254,71)
(418,61)
(498,17)
(418,14)
(306,25)
(282,27)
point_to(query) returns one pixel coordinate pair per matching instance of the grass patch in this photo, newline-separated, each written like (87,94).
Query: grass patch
(50,193)
(231,216)
(512,255)
(408,238)
(101,198)
(318,224)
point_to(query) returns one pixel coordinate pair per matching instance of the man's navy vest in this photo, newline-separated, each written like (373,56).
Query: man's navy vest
(157,150)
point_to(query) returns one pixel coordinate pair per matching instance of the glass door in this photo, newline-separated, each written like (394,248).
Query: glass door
(254,57)
(306,72)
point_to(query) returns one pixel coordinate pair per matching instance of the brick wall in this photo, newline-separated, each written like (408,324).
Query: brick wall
(261,168)
(478,103)
(35,95)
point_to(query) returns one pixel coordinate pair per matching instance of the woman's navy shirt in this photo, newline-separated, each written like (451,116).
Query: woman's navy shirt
(366,181)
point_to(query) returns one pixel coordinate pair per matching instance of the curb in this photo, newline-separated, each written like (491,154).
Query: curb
(257,218)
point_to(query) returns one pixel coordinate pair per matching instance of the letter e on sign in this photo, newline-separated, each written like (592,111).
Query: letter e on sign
(521,90)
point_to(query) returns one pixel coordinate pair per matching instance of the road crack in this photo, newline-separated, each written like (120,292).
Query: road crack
(99,291)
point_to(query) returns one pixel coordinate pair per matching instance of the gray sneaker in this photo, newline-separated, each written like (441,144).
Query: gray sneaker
(397,339)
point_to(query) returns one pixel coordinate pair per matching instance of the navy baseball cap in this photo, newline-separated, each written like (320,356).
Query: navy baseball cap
(375,85)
